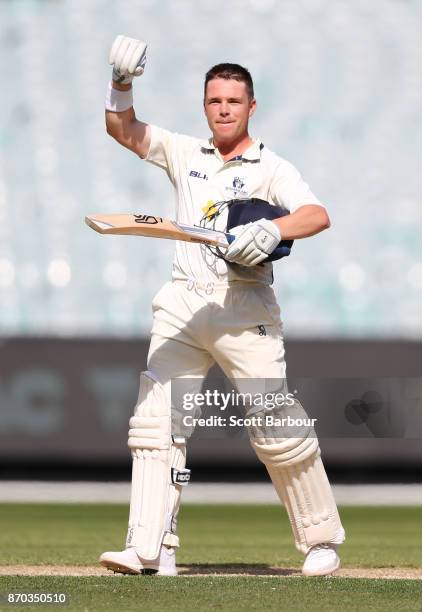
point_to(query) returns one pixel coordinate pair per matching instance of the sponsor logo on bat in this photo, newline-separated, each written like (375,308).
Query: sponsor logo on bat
(148,219)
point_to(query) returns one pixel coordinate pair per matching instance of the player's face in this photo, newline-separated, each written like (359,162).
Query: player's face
(228,109)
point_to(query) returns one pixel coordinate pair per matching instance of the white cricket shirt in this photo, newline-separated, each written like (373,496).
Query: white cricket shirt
(201,178)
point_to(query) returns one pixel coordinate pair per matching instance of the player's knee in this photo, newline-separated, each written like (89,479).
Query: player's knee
(285,437)
(286,452)
(150,427)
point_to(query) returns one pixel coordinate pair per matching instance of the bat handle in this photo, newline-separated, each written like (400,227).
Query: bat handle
(230,238)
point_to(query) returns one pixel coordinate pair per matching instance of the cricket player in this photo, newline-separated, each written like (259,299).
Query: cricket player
(216,310)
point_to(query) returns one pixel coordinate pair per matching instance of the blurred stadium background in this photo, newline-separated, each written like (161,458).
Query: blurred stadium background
(339,94)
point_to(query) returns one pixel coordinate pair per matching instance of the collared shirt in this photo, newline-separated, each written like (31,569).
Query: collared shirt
(201,179)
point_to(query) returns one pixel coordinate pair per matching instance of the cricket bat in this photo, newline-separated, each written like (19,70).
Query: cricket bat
(156,227)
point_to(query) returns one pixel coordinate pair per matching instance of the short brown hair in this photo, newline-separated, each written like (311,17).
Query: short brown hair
(230,71)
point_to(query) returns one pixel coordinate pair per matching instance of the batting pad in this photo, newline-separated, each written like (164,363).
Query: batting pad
(158,472)
(299,477)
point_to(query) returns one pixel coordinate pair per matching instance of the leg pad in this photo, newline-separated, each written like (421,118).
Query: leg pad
(158,472)
(298,475)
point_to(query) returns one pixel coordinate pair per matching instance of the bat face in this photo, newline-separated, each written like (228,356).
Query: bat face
(125,224)
(147,219)
(155,227)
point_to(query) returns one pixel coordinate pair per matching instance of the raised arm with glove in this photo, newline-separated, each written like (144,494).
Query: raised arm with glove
(128,58)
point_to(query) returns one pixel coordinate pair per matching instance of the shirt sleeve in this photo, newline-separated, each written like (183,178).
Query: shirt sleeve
(161,150)
(288,189)
(170,151)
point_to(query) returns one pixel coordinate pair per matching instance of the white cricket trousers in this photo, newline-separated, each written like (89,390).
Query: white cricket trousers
(236,326)
(239,327)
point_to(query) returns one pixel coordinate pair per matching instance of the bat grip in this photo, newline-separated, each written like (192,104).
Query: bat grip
(230,238)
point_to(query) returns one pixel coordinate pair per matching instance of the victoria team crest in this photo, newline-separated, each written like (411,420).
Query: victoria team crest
(238,187)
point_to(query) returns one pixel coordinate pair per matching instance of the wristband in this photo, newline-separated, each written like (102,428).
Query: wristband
(118,101)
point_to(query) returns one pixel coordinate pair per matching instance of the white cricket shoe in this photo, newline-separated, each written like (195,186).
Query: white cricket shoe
(321,560)
(128,562)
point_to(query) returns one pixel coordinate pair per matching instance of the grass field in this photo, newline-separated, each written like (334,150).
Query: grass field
(232,557)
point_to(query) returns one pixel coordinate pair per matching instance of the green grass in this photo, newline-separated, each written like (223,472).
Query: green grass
(162,594)
(214,538)
(40,534)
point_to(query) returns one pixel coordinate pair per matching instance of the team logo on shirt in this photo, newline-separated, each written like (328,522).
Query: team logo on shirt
(237,187)
(238,183)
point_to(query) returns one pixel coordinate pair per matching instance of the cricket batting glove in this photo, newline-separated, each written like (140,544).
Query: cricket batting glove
(253,243)
(128,58)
